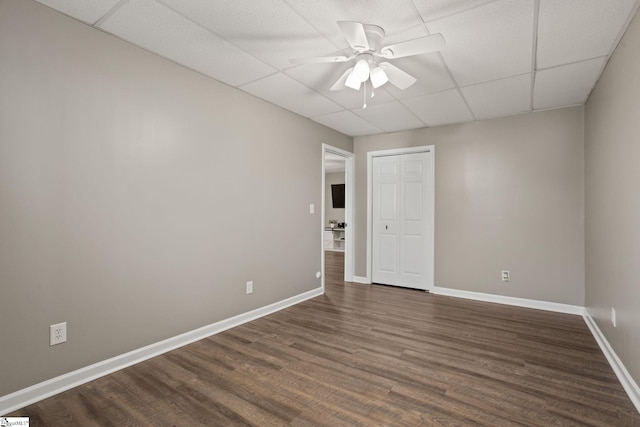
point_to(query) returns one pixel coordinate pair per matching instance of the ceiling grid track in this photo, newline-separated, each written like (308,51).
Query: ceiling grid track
(534,49)
(109,13)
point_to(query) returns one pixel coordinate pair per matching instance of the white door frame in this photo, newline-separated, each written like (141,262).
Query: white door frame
(349,255)
(430,197)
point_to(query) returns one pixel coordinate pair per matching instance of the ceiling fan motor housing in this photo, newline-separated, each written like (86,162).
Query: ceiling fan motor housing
(375,34)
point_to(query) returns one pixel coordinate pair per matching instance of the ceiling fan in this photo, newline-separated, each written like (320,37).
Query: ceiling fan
(372,58)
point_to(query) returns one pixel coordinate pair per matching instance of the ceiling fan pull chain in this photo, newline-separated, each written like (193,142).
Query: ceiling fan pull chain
(364,92)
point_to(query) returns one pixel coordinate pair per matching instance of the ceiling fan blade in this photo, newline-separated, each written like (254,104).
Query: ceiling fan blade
(320,59)
(396,76)
(340,83)
(417,46)
(354,33)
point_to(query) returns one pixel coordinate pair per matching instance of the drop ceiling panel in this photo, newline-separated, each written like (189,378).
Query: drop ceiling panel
(282,90)
(399,18)
(348,123)
(390,117)
(88,11)
(489,42)
(321,77)
(440,108)
(435,9)
(498,98)
(155,27)
(268,29)
(574,30)
(566,85)
(481,73)
(431,73)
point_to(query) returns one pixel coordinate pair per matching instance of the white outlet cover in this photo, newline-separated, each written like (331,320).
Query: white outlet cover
(57,333)
(249,287)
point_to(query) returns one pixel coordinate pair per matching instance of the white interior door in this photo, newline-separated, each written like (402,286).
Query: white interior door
(402,237)
(386,199)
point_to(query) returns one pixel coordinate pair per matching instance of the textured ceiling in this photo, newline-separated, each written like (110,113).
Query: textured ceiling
(502,57)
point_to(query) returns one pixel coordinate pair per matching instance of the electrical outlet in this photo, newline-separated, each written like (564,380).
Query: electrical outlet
(506,276)
(250,287)
(613,316)
(57,333)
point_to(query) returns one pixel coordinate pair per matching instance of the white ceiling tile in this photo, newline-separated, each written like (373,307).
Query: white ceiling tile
(488,52)
(321,77)
(155,27)
(282,90)
(348,123)
(489,42)
(398,18)
(574,30)
(269,29)
(440,108)
(88,11)
(499,98)
(435,9)
(566,85)
(428,69)
(391,117)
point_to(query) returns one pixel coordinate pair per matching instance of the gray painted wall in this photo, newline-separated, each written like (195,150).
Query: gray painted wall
(117,212)
(612,152)
(137,197)
(330,212)
(509,195)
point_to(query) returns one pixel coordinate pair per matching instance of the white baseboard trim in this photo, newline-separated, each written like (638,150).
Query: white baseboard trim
(519,302)
(360,279)
(37,392)
(629,385)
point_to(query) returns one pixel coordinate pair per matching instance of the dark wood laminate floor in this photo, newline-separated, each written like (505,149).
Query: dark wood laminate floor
(333,267)
(364,355)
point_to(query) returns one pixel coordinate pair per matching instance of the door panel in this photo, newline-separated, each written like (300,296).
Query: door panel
(403,239)
(412,254)
(388,253)
(388,197)
(389,169)
(385,220)
(413,225)
(413,202)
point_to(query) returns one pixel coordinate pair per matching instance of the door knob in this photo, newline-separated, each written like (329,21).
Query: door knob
(386,227)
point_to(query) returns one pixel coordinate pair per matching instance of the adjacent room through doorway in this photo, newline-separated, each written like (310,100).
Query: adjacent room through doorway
(337,236)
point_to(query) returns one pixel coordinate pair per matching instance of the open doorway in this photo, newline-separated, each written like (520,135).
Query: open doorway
(337,215)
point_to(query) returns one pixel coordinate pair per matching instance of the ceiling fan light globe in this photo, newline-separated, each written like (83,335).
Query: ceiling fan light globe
(352,81)
(361,70)
(378,77)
